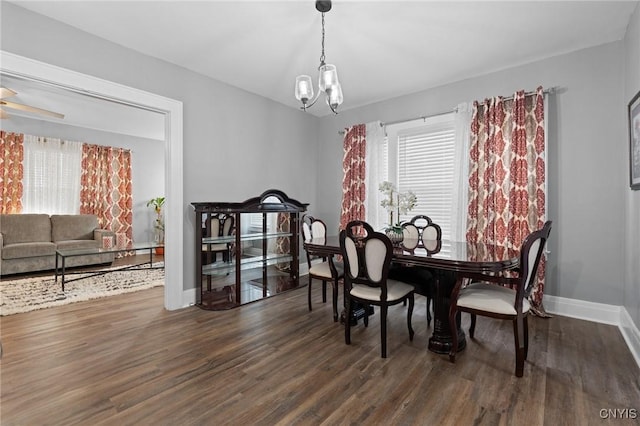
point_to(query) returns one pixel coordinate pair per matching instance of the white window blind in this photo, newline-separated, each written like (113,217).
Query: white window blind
(52,169)
(426,156)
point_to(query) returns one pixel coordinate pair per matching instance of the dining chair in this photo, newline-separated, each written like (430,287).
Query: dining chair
(502,297)
(420,232)
(328,269)
(367,258)
(429,232)
(219,225)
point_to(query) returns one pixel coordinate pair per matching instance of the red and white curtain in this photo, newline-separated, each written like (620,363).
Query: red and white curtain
(507,190)
(106,189)
(354,175)
(11,172)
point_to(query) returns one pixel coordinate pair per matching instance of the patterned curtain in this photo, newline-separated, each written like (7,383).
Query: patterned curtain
(106,189)
(507,175)
(11,172)
(353,167)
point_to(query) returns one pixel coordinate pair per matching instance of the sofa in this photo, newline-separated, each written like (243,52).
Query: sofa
(28,242)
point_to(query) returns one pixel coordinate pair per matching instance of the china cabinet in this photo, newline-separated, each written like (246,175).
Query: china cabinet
(259,242)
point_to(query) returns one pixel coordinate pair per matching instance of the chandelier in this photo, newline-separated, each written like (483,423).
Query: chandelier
(327,79)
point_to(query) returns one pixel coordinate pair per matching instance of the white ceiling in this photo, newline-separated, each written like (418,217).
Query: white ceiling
(83,110)
(382,49)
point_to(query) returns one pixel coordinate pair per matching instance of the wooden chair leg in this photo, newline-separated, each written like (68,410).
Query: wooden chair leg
(429,303)
(309,293)
(335,301)
(366,316)
(526,336)
(347,321)
(409,315)
(383,329)
(518,337)
(472,327)
(324,291)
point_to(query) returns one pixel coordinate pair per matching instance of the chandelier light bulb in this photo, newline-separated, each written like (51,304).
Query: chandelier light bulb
(334,96)
(328,76)
(304,88)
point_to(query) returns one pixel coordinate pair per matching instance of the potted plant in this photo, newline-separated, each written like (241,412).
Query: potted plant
(158,225)
(400,203)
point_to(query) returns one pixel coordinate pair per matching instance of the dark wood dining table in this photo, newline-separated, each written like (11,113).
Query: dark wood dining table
(449,262)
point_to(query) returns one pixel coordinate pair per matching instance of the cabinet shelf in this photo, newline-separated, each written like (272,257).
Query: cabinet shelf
(246,263)
(272,267)
(245,237)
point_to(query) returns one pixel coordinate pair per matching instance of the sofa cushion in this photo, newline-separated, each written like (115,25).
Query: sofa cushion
(77,244)
(22,250)
(73,227)
(25,228)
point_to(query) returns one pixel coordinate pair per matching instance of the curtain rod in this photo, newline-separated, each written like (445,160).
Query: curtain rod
(548,91)
(422,117)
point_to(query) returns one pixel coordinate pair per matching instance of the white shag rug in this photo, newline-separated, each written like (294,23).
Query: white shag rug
(29,294)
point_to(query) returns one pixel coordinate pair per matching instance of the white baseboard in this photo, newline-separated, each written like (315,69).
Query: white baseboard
(598,312)
(631,334)
(581,309)
(188,297)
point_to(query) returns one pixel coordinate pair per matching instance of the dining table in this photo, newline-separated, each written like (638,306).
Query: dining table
(448,262)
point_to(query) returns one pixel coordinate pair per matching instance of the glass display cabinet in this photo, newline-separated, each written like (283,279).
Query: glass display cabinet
(246,251)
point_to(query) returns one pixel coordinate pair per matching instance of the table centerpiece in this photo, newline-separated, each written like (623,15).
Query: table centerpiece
(399,203)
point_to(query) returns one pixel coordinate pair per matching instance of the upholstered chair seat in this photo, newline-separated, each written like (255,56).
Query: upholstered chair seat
(490,298)
(324,270)
(396,290)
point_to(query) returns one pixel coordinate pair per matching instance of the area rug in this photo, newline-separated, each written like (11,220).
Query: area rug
(29,294)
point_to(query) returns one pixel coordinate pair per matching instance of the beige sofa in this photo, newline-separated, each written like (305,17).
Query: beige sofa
(28,242)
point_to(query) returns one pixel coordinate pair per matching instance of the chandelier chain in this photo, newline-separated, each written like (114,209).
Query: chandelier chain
(322,54)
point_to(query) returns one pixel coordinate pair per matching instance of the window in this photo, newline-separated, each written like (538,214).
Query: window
(51,176)
(421,158)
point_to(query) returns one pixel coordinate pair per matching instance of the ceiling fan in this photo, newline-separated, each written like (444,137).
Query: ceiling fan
(7,93)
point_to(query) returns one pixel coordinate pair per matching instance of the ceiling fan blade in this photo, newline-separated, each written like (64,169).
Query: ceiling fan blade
(6,93)
(3,114)
(28,108)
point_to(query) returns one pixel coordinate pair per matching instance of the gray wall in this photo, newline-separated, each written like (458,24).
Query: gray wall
(632,234)
(236,144)
(587,160)
(147,162)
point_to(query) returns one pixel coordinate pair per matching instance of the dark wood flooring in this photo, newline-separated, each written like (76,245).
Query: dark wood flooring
(125,360)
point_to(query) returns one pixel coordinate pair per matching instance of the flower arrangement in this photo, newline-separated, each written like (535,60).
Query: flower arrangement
(397,202)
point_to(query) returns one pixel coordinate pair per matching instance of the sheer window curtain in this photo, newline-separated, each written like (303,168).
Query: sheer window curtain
(459,202)
(51,176)
(377,170)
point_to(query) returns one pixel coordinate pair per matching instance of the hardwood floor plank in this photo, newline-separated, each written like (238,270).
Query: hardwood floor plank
(125,360)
